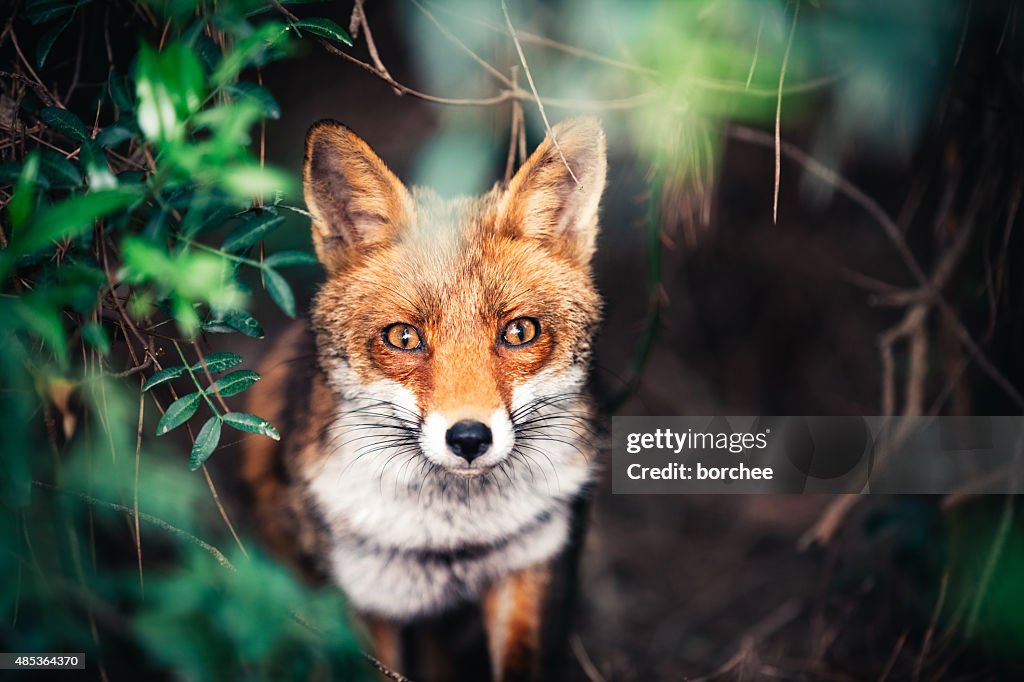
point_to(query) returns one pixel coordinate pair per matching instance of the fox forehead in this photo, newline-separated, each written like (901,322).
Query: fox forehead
(452,264)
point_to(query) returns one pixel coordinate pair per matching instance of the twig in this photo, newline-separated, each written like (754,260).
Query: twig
(384,670)
(930,632)
(778,114)
(536,95)
(517,133)
(455,40)
(580,652)
(135,487)
(991,561)
(156,521)
(887,670)
(772,623)
(371,46)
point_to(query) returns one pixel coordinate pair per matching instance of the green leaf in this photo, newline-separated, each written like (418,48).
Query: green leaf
(170,87)
(205,443)
(244,421)
(163,376)
(248,179)
(235,382)
(96,166)
(244,322)
(65,122)
(207,50)
(58,170)
(115,134)
(218,362)
(325,28)
(178,413)
(97,337)
(251,231)
(75,215)
(279,290)
(24,200)
(43,322)
(250,92)
(47,41)
(283,259)
(41,11)
(235,321)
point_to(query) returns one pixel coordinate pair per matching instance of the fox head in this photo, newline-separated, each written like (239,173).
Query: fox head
(457,332)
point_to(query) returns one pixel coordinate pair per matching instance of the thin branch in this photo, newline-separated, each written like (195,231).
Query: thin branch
(149,518)
(371,46)
(455,40)
(778,114)
(536,95)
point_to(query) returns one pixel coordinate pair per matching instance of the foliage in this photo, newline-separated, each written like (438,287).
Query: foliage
(134,211)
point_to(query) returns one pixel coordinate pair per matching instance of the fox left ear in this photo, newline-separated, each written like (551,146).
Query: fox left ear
(356,201)
(546,201)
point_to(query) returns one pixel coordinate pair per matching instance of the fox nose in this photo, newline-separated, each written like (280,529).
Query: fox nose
(468,439)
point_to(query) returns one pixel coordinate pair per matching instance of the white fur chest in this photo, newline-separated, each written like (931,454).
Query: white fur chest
(407,540)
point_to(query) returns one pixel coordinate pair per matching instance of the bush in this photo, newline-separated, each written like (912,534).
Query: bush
(134,211)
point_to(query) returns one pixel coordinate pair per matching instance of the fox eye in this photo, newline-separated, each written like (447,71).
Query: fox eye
(520,331)
(402,336)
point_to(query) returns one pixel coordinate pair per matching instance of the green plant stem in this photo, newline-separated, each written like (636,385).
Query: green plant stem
(195,381)
(210,249)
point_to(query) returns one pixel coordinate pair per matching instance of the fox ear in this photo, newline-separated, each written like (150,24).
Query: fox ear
(355,200)
(548,202)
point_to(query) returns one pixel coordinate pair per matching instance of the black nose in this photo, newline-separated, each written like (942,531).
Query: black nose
(468,439)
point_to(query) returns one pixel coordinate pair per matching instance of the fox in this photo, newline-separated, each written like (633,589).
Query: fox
(436,425)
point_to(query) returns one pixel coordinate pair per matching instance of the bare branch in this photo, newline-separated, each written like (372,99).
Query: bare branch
(536,96)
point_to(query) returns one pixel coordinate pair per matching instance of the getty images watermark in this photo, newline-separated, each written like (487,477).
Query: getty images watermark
(754,455)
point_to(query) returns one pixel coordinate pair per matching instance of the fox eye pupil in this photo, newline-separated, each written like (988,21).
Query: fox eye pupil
(402,337)
(520,331)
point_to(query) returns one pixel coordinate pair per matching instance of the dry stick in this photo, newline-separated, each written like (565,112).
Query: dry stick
(503,96)
(209,377)
(762,630)
(48,97)
(384,670)
(992,560)
(403,89)
(544,41)
(371,46)
(223,512)
(455,40)
(514,135)
(155,520)
(892,658)
(757,50)
(536,95)
(580,652)
(135,492)
(778,115)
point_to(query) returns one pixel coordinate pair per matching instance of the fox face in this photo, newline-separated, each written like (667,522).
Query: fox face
(455,336)
(463,323)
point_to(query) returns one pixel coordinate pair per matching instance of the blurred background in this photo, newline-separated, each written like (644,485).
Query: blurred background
(812,209)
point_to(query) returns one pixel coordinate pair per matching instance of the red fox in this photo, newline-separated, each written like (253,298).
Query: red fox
(434,419)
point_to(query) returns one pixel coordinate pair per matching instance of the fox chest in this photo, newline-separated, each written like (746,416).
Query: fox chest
(406,545)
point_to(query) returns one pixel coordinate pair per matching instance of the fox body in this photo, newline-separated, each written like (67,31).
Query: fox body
(435,427)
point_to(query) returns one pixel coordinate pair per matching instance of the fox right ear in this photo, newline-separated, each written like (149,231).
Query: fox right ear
(356,201)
